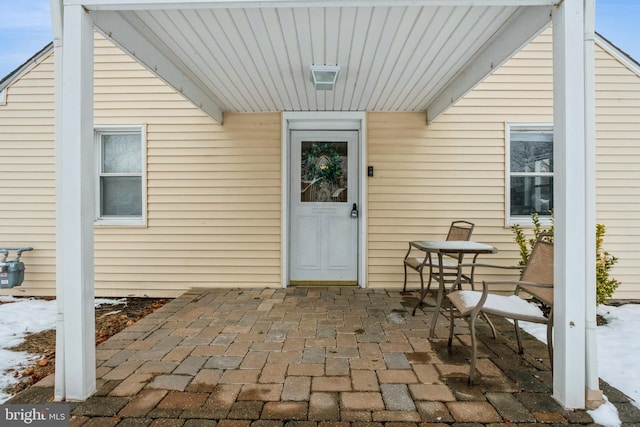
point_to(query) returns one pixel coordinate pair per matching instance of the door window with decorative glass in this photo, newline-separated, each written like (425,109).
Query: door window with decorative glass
(121,161)
(323,172)
(530,172)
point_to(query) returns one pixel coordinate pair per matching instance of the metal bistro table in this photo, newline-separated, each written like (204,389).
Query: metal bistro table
(449,247)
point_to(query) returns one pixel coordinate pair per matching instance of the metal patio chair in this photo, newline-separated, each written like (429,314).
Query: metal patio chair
(536,280)
(459,230)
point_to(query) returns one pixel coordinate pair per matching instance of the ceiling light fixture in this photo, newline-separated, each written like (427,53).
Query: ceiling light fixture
(324,76)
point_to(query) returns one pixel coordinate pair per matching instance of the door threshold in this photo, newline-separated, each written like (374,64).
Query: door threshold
(323,283)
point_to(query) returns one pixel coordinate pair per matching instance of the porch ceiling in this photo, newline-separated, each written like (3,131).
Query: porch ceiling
(247,56)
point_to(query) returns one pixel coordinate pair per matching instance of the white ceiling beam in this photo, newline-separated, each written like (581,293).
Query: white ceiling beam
(208,4)
(133,41)
(526,24)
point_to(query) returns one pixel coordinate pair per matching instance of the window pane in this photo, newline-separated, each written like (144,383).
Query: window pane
(323,172)
(532,151)
(120,196)
(121,153)
(531,194)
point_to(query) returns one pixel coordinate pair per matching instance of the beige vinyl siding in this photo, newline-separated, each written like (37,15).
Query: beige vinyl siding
(618,167)
(429,175)
(213,191)
(426,177)
(213,210)
(27,174)
(453,169)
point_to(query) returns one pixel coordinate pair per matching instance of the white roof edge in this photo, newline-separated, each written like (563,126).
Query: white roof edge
(618,53)
(26,66)
(190,4)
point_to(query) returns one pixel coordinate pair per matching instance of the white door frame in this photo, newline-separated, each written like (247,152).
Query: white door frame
(324,121)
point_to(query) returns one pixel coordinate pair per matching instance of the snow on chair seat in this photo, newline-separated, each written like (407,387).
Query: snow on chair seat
(498,305)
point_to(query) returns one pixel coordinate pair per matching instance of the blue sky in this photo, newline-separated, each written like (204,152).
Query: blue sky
(25,28)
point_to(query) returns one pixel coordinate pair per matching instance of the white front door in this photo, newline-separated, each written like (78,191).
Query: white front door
(324,207)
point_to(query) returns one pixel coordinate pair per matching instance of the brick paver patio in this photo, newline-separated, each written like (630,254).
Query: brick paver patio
(306,357)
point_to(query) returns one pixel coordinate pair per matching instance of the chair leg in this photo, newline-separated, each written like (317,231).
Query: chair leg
(451,324)
(518,339)
(550,338)
(404,288)
(423,293)
(472,369)
(493,328)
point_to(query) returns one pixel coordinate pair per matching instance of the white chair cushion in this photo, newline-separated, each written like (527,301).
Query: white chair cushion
(512,306)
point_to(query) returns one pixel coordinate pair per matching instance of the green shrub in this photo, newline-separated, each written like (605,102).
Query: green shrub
(525,243)
(605,285)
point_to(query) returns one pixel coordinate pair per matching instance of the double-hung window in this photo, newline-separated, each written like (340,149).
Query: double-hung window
(121,195)
(529,172)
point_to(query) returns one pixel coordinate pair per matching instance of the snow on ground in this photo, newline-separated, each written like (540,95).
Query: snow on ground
(18,319)
(618,345)
(618,349)
(21,317)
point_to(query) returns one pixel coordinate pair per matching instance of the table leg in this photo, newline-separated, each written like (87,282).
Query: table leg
(439,298)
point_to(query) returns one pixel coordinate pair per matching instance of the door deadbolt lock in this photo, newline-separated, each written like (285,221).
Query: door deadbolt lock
(354,211)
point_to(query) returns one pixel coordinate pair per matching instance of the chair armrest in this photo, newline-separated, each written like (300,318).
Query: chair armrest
(541,291)
(503,267)
(528,287)
(411,248)
(408,252)
(518,283)
(474,265)
(455,299)
(426,259)
(534,285)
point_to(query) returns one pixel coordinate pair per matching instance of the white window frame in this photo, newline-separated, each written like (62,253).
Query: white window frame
(524,220)
(140,221)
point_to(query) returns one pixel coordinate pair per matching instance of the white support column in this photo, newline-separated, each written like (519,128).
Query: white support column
(56,26)
(74,211)
(570,188)
(593,393)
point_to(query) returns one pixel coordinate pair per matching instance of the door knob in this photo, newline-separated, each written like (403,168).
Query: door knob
(354,211)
